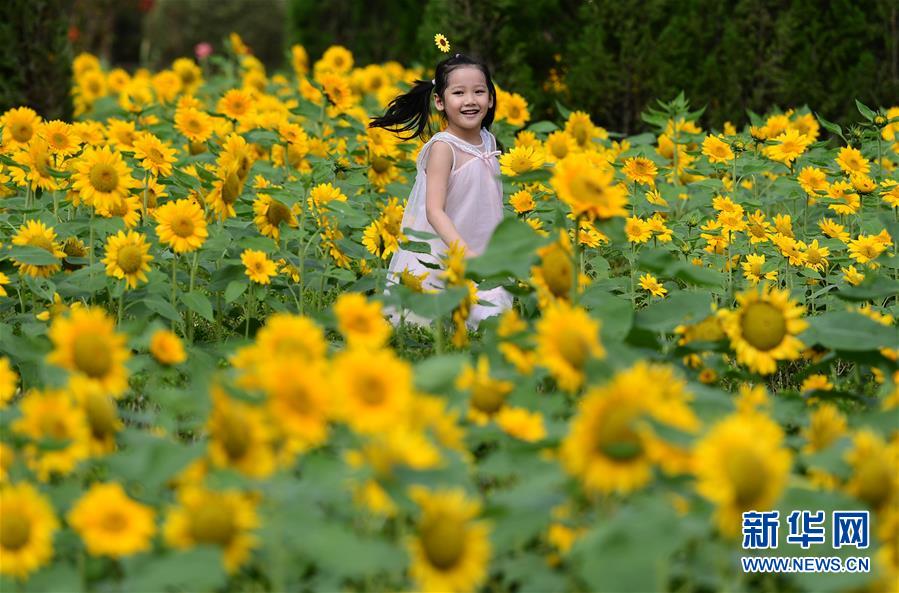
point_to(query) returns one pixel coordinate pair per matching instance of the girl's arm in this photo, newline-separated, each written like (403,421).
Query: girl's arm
(440,163)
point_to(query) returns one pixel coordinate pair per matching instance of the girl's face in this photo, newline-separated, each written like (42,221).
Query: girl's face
(466,99)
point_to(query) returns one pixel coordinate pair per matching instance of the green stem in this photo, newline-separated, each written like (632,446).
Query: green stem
(174,283)
(121,298)
(249,301)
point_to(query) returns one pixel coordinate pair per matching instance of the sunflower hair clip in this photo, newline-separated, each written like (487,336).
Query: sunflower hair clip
(442,42)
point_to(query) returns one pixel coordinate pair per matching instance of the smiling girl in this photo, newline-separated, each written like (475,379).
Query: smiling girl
(457,193)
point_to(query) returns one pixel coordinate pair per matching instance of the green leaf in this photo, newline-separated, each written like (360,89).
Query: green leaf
(438,373)
(198,303)
(874,287)
(197,569)
(678,309)
(234,289)
(844,330)
(631,550)
(433,306)
(831,127)
(615,312)
(36,256)
(543,127)
(563,111)
(162,308)
(509,252)
(864,110)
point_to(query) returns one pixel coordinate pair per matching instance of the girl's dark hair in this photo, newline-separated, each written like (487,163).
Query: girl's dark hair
(411,112)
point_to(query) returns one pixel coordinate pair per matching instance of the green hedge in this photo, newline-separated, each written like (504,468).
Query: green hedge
(36,57)
(621,56)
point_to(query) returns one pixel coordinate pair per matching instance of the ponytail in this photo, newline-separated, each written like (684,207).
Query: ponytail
(408,112)
(411,112)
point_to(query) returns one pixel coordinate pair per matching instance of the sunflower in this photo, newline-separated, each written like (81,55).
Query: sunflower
(19,125)
(812,180)
(579,127)
(521,159)
(102,418)
(753,269)
(335,59)
(741,465)
(567,338)
(324,193)
(450,550)
(588,188)
(154,156)
(127,257)
(181,225)
(637,230)
(790,146)
(559,145)
(240,436)
(4,279)
(196,125)
(9,381)
(866,248)
(35,161)
(640,170)
(102,177)
(337,89)
(288,337)
(825,425)
(522,202)
(521,424)
(59,137)
(873,464)
(486,394)
(237,104)
(258,267)
(52,415)
(27,526)
(851,161)
(763,329)
(554,276)
(651,283)
(299,401)
(717,150)
(372,388)
(225,519)
(270,214)
(442,43)
(36,234)
(87,345)
(515,109)
(361,321)
(167,348)
(110,523)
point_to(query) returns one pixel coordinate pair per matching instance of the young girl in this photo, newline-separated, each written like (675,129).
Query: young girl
(457,193)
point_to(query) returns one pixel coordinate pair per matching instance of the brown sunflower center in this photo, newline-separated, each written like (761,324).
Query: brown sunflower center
(213,523)
(380,164)
(573,349)
(15,531)
(92,355)
(101,415)
(371,389)
(586,189)
(298,401)
(54,427)
(155,155)
(231,189)
(115,521)
(874,480)
(559,149)
(59,139)
(747,473)
(22,132)
(487,398)
(235,437)
(617,438)
(277,213)
(557,270)
(104,177)
(129,259)
(183,226)
(443,540)
(763,326)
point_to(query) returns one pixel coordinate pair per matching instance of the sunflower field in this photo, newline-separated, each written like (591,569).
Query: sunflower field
(199,390)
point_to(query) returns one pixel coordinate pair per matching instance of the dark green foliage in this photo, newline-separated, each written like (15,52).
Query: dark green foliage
(174,27)
(374,32)
(620,57)
(36,57)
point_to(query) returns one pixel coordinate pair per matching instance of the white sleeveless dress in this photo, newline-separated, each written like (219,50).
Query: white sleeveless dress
(474,202)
